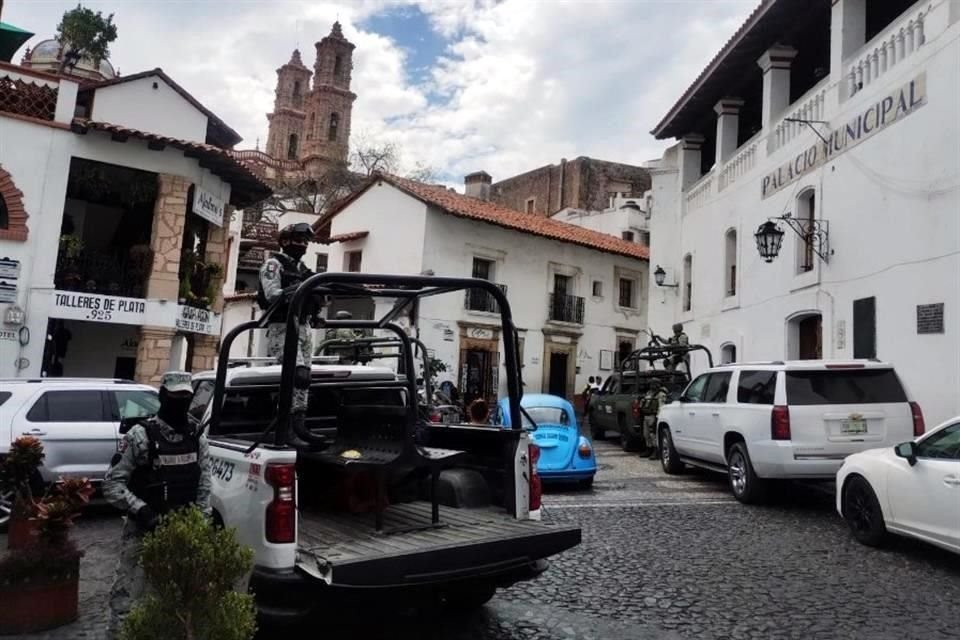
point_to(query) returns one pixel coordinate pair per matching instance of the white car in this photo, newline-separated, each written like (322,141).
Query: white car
(912,489)
(784,420)
(77,419)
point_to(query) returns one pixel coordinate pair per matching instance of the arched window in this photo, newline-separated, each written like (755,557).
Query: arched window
(687,282)
(334,125)
(292,147)
(728,353)
(806,214)
(730,263)
(337,66)
(296,88)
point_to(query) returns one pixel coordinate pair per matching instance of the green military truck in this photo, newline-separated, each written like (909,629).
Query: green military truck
(618,405)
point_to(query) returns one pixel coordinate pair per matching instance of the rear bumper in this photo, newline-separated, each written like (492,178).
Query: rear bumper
(780,459)
(567,475)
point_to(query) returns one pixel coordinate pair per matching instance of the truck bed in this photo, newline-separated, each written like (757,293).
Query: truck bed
(345,550)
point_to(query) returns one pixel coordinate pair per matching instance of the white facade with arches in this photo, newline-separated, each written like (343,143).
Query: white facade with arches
(876,162)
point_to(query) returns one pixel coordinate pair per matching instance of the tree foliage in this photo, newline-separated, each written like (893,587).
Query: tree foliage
(191,568)
(85,34)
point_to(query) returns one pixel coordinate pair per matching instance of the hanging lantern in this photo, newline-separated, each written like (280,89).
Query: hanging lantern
(769,239)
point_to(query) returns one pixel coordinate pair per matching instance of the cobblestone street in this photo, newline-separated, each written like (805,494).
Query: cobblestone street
(663,558)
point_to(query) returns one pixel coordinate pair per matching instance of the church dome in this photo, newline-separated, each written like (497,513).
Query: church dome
(45,56)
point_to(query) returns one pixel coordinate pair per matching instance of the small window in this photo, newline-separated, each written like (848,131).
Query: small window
(322,263)
(352,261)
(728,353)
(136,404)
(337,66)
(944,445)
(292,144)
(645,238)
(530,205)
(4,216)
(201,397)
(687,282)
(757,387)
(296,88)
(730,272)
(806,214)
(334,126)
(626,293)
(597,289)
(483,269)
(68,406)
(627,235)
(717,387)
(695,390)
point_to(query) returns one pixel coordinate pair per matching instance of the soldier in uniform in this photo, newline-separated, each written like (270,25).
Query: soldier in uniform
(280,276)
(162,464)
(348,354)
(653,399)
(679,338)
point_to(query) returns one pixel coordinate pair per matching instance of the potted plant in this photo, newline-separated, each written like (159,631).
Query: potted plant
(20,473)
(39,584)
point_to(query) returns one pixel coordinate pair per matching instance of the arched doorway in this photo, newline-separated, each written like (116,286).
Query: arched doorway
(728,353)
(805,336)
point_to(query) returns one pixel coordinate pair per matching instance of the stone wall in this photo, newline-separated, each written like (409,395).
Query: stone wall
(166,236)
(204,353)
(217,253)
(153,354)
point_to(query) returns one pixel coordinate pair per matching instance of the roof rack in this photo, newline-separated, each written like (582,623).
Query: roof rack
(251,360)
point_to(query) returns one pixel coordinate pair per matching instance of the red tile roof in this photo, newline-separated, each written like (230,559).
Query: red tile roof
(246,187)
(346,237)
(462,206)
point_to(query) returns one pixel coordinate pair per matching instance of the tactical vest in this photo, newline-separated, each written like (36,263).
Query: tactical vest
(291,272)
(171,477)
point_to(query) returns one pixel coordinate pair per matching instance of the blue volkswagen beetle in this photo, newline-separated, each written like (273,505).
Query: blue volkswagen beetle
(566,455)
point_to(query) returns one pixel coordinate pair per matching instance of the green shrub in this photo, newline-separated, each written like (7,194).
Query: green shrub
(191,568)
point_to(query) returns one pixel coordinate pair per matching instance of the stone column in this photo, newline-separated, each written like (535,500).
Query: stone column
(204,353)
(728,127)
(848,32)
(153,354)
(690,159)
(776,81)
(216,253)
(166,236)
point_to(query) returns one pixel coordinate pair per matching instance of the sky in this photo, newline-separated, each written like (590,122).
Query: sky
(457,85)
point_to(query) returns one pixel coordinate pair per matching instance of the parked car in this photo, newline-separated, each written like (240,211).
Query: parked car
(912,489)
(566,455)
(784,420)
(77,419)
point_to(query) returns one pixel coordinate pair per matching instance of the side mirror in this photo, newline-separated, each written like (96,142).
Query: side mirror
(907,451)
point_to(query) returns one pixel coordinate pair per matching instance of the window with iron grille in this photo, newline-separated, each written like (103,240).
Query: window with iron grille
(597,289)
(477,299)
(626,293)
(322,263)
(627,235)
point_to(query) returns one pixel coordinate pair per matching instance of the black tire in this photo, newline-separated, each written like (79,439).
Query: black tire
(669,458)
(6,506)
(596,432)
(863,513)
(745,485)
(468,597)
(628,441)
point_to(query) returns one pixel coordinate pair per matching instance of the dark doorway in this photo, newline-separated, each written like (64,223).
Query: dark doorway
(558,374)
(125,368)
(809,331)
(624,349)
(865,328)
(478,375)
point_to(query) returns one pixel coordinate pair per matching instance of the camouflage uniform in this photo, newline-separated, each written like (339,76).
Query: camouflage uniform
(129,583)
(272,285)
(679,339)
(652,401)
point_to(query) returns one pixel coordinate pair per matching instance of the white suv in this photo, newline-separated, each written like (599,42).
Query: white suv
(77,419)
(784,420)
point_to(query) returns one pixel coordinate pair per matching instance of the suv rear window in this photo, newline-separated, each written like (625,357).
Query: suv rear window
(4,396)
(844,386)
(757,387)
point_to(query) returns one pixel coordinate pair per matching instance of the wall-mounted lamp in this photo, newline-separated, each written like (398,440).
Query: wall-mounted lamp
(815,233)
(660,276)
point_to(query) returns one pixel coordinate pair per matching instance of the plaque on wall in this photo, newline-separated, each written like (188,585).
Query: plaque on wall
(930,318)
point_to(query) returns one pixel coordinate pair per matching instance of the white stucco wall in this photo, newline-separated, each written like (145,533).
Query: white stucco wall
(893,205)
(150,104)
(94,348)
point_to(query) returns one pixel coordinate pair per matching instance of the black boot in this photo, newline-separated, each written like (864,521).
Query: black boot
(653,454)
(298,420)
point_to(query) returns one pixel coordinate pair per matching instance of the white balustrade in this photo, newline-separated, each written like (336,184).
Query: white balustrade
(737,166)
(812,106)
(886,51)
(700,192)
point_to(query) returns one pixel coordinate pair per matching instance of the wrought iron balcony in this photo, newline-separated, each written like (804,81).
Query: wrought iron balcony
(104,273)
(564,308)
(478,300)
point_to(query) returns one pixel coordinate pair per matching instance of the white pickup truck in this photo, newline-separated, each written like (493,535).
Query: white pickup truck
(312,526)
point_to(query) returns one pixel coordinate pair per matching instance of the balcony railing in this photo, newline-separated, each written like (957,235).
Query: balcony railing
(886,50)
(700,191)
(564,308)
(104,273)
(23,94)
(479,300)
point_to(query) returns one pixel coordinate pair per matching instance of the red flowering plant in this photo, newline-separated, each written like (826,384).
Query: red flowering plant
(19,473)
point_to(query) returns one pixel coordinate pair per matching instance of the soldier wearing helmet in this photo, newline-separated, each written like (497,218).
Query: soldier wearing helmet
(280,276)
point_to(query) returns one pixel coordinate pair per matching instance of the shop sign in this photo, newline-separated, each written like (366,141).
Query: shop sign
(193,320)
(6,334)
(892,107)
(95,307)
(9,269)
(8,291)
(208,206)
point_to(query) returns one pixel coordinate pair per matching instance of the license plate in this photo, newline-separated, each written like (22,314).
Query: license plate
(853,426)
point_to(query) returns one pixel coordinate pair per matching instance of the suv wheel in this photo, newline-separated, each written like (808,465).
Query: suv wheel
(669,459)
(744,483)
(862,511)
(6,507)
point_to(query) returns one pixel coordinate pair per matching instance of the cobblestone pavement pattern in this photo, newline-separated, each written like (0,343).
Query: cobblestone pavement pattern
(663,558)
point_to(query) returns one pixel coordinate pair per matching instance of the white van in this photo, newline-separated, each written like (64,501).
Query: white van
(785,420)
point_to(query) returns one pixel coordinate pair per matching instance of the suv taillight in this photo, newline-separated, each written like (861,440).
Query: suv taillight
(536,488)
(780,423)
(919,426)
(635,408)
(281,520)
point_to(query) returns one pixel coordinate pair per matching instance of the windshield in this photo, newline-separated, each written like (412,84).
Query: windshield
(544,415)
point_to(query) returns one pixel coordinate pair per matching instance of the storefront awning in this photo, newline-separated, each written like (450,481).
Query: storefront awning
(11,39)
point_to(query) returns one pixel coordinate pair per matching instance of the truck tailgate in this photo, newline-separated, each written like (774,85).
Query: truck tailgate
(345,550)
